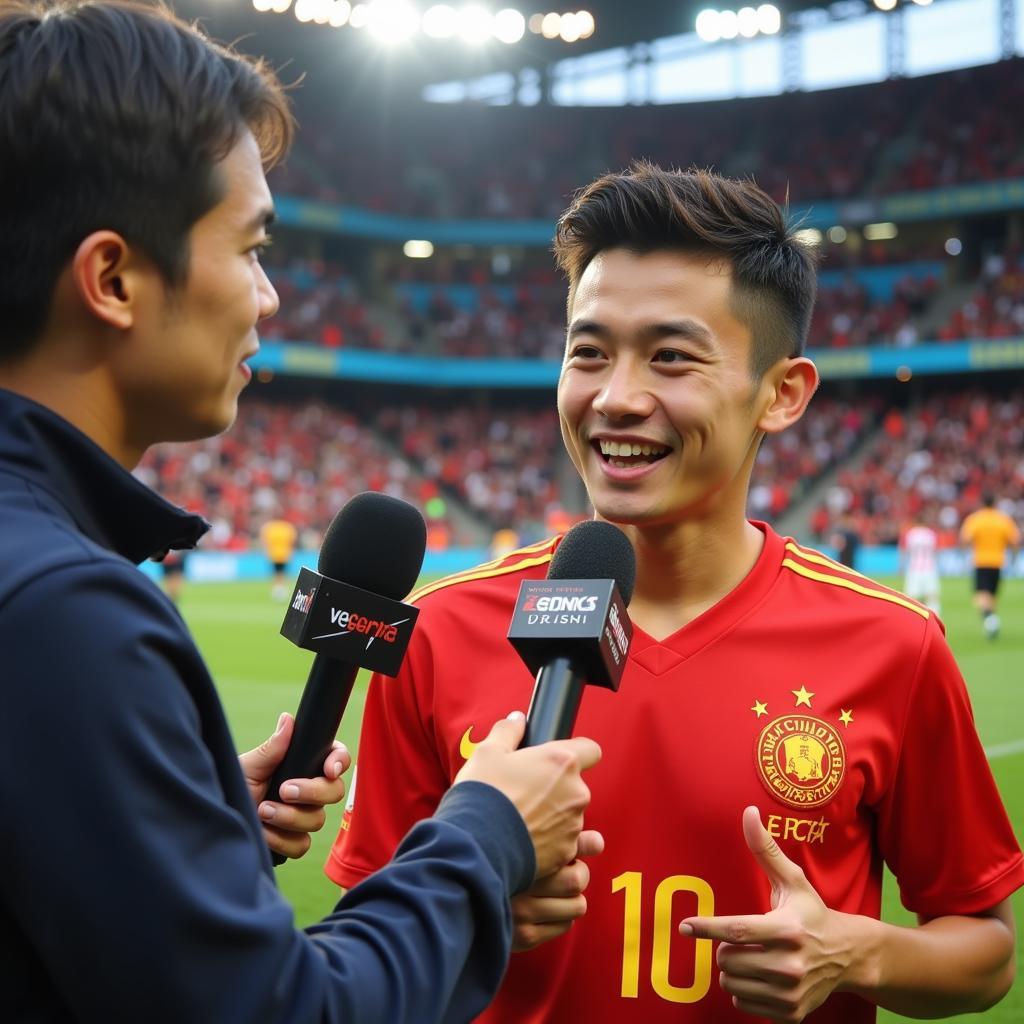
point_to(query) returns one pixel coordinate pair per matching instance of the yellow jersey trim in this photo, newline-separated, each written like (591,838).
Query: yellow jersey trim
(838,581)
(482,572)
(808,555)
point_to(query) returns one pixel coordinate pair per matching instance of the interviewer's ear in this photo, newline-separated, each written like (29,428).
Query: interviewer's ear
(105,272)
(793,383)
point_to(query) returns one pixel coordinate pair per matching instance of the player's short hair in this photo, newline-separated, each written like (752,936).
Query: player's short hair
(113,115)
(647,208)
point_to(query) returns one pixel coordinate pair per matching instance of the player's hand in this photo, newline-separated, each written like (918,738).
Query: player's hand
(544,782)
(287,825)
(550,906)
(786,963)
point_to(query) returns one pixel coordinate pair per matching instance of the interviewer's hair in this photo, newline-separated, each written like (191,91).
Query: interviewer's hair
(113,115)
(646,209)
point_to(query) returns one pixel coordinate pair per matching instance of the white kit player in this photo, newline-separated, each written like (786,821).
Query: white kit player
(920,551)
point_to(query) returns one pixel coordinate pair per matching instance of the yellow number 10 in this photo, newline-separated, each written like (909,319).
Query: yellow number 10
(632,883)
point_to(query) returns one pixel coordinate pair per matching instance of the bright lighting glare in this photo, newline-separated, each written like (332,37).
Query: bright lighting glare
(509,25)
(728,24)
(440,22)
(280,6)
(922,3)
(769,19)
(808,236)
(953,246)
(568,28)
(392,21)
(304,10)
(708,26)
(360,16)
(880,232)
(340,11)
(535,23)
(550,25)
(586,23)
(322,11)
(475,24)
(747,21)
(262,5)
(837,234)
(418,249)
(885,5)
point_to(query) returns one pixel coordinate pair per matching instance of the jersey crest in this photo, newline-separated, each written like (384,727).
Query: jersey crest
(801,760)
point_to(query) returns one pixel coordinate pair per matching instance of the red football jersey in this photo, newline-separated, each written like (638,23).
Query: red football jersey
(830,702)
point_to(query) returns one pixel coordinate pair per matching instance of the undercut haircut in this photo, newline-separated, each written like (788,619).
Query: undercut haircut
(647,209)
(114,116)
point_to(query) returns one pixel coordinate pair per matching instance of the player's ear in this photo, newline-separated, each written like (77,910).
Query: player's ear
(106,273)
(791,384)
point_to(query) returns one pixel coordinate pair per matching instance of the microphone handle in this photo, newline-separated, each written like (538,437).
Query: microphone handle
(555,702)
(323,702)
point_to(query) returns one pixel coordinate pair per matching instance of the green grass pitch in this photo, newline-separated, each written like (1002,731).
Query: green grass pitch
(260,674)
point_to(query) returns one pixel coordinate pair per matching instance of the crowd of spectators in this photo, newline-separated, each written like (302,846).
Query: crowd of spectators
(937,459)
(480,161)
(846,317)
(996,309)
(303,462)
(789,463)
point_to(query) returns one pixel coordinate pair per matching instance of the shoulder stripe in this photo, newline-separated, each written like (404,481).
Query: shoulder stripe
(809,555)
(483,566)
(482,572)
(847,584)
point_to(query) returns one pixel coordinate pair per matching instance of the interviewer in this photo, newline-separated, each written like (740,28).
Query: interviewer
(134,207)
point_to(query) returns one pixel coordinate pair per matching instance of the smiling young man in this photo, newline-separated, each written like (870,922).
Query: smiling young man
(783,727)
(134,207)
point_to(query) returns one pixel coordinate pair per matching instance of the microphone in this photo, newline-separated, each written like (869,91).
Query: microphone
(572,628)
(350,613)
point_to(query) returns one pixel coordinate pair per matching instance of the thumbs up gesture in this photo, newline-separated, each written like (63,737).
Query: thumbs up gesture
(786,963)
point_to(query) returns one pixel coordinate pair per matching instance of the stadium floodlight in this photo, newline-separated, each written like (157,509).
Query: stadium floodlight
(392,21)
(280,6)
(550,25)
(586,23)
(418,249)
(837,234)
(509,25)
(304,10)
(885,5)
(728,24)
(769,19)
(360,16)
(340,11)
(953,246)
(440,22)
(475,24)
(922,3)
(568,28)
(322,11)
(262,5)
(746,19)
(708,27)
(535,24)
(881,232)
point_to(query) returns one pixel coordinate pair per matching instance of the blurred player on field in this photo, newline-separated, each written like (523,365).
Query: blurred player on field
(990,533)
(919,555)
(278,537)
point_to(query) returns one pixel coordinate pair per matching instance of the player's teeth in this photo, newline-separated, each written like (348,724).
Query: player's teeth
(645,449)
(637,449)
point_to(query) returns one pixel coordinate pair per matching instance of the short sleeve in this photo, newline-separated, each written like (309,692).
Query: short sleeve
(943,829)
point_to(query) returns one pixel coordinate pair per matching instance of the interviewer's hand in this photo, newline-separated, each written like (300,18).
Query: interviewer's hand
(287,825)
(544,782)
(550,906)
(786,963)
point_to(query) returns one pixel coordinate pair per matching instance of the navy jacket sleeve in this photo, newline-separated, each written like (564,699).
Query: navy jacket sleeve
(136,883)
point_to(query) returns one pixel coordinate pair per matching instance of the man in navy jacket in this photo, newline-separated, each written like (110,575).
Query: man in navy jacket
(134,206)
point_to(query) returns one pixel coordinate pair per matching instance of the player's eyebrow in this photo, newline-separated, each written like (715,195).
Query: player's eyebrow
(691,330)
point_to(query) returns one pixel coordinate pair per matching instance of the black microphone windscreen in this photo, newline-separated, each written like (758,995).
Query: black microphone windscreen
(596,550)
(376,543)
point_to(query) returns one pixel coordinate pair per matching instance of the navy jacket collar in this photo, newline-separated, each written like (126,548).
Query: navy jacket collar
(104,501)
